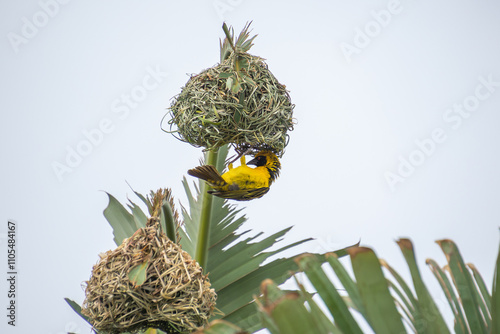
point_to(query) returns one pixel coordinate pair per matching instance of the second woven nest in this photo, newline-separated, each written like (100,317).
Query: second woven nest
(175,297)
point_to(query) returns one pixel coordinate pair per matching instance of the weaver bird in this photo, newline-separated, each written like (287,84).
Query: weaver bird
(242,183)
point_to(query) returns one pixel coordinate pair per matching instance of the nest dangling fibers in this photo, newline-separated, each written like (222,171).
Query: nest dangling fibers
(174,295)
(238,102)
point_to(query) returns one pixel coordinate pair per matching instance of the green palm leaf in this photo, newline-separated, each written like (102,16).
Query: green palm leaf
(234,260)
(495,301)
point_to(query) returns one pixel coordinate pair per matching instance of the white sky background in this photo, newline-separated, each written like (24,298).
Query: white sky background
(356,116)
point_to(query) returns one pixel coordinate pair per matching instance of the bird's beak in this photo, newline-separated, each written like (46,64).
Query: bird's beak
(252,162)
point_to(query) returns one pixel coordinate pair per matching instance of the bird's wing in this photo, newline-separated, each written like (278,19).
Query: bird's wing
(241,194)
(208,173)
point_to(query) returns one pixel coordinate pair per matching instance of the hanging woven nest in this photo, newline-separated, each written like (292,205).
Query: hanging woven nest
(148,281)
(237,102)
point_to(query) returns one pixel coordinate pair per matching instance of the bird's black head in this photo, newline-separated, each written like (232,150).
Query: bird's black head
(269,160)
(258,161)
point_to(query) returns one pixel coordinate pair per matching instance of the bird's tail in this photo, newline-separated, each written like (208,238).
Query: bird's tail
(208,173)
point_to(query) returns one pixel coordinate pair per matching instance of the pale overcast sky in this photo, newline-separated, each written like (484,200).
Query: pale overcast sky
(397,134)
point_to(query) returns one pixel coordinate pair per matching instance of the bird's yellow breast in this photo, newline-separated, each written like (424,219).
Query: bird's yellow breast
(244,177)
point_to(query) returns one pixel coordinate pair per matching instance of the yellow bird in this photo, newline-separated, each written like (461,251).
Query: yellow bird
(242,183)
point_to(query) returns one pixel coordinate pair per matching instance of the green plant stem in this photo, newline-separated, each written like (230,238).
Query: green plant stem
(201,254)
